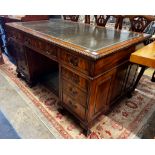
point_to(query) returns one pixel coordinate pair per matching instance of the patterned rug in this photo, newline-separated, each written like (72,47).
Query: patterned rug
(125,121)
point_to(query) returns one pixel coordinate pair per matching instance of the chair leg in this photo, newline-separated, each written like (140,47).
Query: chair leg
(153,77)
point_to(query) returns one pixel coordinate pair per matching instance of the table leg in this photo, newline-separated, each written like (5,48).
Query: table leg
(153,77)
(137,80)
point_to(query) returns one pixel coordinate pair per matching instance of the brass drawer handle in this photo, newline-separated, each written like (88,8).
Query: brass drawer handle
(47,52)
(76,78)
(15,36)
(73,92)
(23,68)
(27,41)
(74,61)
(72,104)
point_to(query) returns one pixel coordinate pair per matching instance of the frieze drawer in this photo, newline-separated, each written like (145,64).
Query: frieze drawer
(41,46)
(74,61)
(15,35)
(78,95)
(78,109)
(75,79)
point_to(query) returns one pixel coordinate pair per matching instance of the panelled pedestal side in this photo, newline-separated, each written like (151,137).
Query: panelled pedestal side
(87,96)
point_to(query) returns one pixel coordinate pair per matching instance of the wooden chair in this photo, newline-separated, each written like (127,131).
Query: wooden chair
(119,21)
(101,20)
(139,23)
(87,19)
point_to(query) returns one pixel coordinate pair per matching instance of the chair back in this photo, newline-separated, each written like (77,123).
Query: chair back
(139,23)
(101,20)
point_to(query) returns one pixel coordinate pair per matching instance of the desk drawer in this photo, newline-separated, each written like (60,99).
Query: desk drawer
(41,46)
(17,35)
(78,95)
(74,107)
(75,79)
(74,61)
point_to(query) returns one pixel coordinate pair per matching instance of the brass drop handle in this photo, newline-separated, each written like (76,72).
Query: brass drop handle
(76,78)
(27,41)
(74,61)
(72,104)
(47,52)
(15,36)
(74,92)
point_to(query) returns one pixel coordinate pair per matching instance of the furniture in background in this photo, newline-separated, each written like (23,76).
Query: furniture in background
(139,24)
(144,57)
(101,20)
(118,21)
(73,18)
(91,77)
(87,19)
(151,30)
(8,19)
(153,77)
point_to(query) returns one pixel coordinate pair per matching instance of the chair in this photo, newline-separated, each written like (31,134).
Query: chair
(139,23)
(119,21)
(101,20)
(87,19)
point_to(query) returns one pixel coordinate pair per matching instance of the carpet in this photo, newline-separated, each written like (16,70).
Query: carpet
(125,121)
(25,118)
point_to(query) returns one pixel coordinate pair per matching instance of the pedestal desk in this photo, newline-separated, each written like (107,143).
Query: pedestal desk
(93,65)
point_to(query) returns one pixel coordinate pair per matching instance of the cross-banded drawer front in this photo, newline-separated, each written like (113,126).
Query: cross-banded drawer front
(74,61)
(75,79)
(78,95)
(17,35)
(74,106)
(41,46)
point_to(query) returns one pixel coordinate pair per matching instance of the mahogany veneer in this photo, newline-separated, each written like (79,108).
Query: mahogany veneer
(94,67)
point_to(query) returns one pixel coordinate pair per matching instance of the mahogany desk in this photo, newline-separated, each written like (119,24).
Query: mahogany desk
(93,62)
